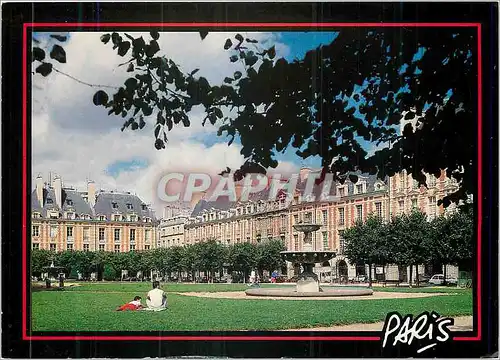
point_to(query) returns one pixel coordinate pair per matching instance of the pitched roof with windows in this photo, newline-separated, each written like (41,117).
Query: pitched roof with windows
(72,201)
(108,203)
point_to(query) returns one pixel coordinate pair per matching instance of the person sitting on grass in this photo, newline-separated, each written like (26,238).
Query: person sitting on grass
(156,299)
(132,306)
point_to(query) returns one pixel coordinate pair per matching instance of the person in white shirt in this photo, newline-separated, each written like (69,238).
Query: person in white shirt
(156,299)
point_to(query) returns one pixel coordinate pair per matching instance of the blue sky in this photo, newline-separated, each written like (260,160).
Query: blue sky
(298,44)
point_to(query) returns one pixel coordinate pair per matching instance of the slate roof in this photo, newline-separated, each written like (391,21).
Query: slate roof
(72,200)
(222,204)
(104,205)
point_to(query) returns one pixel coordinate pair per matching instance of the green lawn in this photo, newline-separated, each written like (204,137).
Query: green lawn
(91,307)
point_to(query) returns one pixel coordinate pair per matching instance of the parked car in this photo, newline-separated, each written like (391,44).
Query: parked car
(438,279)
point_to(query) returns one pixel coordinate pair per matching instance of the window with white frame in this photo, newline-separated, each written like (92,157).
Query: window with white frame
(53,231)
(101,234)
(69,247)
(132,235)
(325,241)
(401,206)
(147,235)
(86,234)
(102,217)
(117,234)
(325,216)
(132,247)
(52,247)
(117,217)
(359,188)
(35,246)
(86,247)
(414,203)
(359,212)
(69,232)
(102,247)
(378,209)
(35,231)
(36,215)
(296,241)
(117,248)
(341,216)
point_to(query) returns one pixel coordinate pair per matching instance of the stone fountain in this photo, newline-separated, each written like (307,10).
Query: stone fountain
(307,281)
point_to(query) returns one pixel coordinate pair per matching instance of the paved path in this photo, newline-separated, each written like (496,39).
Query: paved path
(462,323)
(377,295)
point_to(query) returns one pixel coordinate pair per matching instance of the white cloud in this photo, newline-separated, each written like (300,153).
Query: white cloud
(75,139)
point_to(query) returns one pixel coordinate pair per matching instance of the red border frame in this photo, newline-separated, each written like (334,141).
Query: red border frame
(310,26)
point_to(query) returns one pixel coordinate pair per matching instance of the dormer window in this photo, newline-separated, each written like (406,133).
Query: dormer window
(115,205)
(133,218)
(54,215)
(143,206)
(102,217)
(50,201)
(129,206)
(70,215)
(69,202)
(85,217)
(147,219)
(117,217)
(36,215)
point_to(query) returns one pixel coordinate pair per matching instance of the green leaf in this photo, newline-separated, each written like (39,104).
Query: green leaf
(44,69)
(142,123)
(159,144)
(218,113)
(160,119)
(228,44)
(203,34)
(135,126)
(185,121)
(130,67)
(105,38)
(271,52)
(152,49)
(194,72)
(100,98)
(60,38)
(238,37)
(169,123)
(58,54)
(129,36)
(233,58)
(155,35)
(38,54)
(139,44)
(157,130)
(115,38)
(131,83)
(228,80)
(237,75)
(251,59)
(123,48)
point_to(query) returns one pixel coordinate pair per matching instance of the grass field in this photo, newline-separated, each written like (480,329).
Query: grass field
(91,307)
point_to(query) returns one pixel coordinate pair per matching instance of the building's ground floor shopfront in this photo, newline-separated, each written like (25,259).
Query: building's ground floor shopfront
(339,270)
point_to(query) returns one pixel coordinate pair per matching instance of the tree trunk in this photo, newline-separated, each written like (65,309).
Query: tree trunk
(370,275)
(416,275)
(410,280)
(383,274)
(444,273)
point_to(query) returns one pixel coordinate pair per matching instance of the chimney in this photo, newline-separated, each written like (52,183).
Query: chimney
(57,185)
(196,197)
(238,190)
(39,190)
(91,193)
(304,172)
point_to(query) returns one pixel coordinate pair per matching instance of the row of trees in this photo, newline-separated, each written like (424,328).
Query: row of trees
(409,240)
(209,257)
